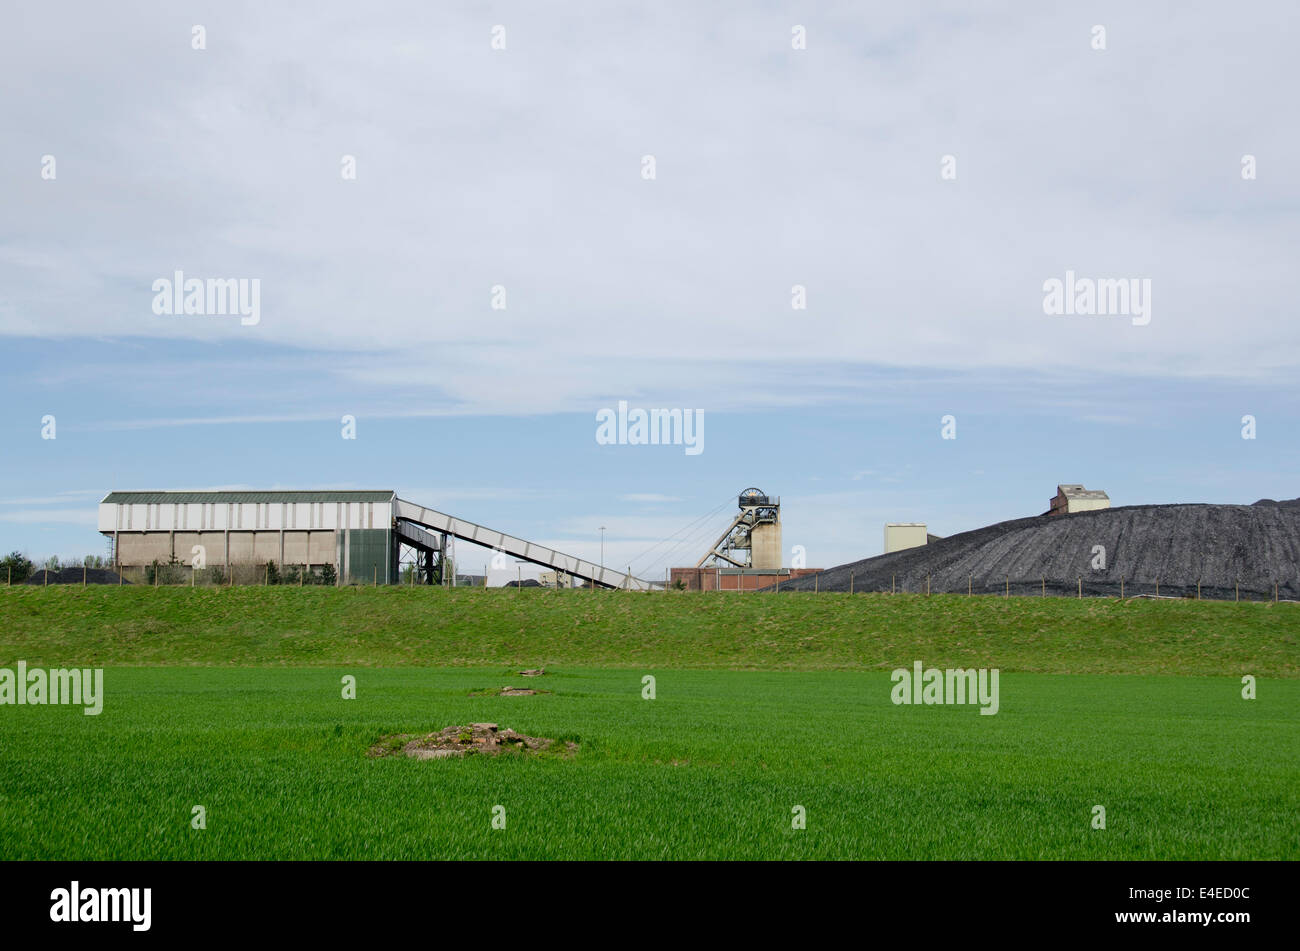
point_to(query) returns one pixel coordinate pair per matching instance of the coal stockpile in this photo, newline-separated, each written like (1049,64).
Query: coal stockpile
(76,576)
(1166,550)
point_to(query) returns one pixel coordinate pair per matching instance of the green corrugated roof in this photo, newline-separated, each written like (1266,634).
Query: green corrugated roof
(149,498)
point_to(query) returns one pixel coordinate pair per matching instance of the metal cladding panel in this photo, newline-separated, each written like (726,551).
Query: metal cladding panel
(244,511)
(369,556)
(223,498)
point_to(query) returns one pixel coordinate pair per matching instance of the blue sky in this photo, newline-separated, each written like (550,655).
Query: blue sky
(522,169)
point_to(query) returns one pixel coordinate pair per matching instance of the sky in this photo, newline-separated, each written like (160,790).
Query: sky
(822,227)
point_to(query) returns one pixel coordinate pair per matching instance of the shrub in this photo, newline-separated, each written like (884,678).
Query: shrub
(16,567)
(159,573)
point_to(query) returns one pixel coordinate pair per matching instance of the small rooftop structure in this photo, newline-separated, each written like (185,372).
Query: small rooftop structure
(903,535)
(1072,497)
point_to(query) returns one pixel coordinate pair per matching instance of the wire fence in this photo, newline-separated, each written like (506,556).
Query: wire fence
(1083,586)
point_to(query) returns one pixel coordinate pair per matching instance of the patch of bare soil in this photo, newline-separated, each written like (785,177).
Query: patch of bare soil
(454,741)
(506,692)
(533,673)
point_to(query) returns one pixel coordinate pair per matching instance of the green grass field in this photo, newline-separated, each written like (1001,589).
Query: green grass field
(393,627)
(232,700)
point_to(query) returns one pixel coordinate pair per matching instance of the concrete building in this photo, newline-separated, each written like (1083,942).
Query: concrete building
(1075,498)
(364,535)
(903,535)
(353,531)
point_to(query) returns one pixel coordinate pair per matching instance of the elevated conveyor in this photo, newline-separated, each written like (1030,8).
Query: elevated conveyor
(435,521)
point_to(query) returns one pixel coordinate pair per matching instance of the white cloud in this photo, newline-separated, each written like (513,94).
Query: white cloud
(775,167)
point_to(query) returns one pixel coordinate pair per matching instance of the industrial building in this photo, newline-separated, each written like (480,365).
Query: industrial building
(747,555)
(365,535)
(903,535)
(1075,498)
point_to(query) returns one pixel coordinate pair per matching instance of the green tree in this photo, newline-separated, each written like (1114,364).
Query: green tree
(16,567)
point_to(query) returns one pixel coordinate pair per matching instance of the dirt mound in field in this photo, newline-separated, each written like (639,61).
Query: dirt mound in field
(483,738)
(506,692)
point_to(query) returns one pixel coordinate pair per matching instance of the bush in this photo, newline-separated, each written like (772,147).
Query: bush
(328,576)
(270,573)
(16,567)
(159,573)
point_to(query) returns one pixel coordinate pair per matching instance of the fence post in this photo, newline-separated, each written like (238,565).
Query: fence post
(1198,589)
(1043,579)
(1121,587)
(1007,592)
(1157,586)
(927,584)
(817,583)
(850,582)
(83,574)
(970,583)
(1081,586)
(891,585)
(1236,589)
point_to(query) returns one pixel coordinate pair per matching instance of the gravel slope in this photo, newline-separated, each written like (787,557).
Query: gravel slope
(1176,545)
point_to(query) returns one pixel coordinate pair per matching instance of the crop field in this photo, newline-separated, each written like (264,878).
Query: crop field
(234,701)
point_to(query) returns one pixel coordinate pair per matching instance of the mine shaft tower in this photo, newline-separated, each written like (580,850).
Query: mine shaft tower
(753,539)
